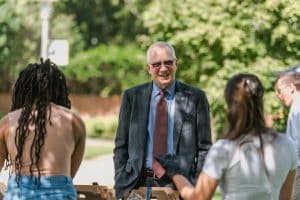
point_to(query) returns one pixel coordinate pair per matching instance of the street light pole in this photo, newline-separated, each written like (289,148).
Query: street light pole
(45,13)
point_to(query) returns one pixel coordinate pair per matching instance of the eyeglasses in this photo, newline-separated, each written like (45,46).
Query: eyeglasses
(167,63)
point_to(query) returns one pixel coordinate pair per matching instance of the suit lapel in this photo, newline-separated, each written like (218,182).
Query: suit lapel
(143,102)
(181,103)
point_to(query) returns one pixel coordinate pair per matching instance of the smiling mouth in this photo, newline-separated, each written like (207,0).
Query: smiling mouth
(164,75)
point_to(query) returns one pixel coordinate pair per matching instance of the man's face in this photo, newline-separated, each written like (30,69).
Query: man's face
(285,92)
(162,67)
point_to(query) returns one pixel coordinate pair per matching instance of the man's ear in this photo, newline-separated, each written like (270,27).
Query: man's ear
(148,69)
(177,63)
(293,88)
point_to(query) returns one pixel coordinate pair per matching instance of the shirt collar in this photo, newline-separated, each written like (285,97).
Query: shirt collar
(170,90)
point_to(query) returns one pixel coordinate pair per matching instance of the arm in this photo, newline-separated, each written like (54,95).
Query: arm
(287,188)
(205,186)
(215,165)
(4,127)
(204,189)
(79,134)
(203,131)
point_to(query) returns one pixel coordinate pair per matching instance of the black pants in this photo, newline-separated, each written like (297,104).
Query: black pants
(150,181)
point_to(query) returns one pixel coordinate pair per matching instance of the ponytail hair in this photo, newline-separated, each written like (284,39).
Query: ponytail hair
(245,110)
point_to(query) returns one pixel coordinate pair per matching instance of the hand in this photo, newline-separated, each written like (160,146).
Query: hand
(171,163)
(2,190)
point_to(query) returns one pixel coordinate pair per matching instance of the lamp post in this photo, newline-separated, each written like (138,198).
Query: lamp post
(45,13)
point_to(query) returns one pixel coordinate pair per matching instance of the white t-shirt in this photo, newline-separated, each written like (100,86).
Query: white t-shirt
(239,166)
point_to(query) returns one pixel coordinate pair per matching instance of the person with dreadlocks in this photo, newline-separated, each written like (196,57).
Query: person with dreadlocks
(41,140)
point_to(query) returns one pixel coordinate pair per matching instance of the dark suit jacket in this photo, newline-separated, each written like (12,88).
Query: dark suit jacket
(192,136)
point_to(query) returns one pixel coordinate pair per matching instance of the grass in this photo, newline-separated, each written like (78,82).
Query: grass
(92,151)
(101,127)
(217,195)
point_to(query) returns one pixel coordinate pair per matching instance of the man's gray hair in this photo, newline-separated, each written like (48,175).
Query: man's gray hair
(290,77)
(294,68)
(160,44)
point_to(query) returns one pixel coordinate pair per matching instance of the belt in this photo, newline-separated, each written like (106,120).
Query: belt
(150,173)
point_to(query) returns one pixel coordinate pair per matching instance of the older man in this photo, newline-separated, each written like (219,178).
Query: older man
(287,87)
(161,116)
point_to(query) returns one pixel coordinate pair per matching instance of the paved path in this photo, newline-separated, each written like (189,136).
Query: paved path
(99,169)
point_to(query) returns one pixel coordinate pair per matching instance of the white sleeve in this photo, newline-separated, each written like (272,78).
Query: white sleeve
(293,153)
(217,159)
(293,128)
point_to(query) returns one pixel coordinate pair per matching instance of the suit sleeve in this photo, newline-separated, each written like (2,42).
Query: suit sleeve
(203,132)
(121,141)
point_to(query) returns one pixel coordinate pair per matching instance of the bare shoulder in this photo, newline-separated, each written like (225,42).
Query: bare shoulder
(78,126)
(4,126)
(77,121)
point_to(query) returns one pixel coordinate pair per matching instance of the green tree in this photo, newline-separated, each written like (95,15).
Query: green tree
(216,39)
(105,21)
(20,28)
(17,38)
(106,70)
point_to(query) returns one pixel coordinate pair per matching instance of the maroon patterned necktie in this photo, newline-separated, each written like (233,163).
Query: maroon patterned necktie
(161,127)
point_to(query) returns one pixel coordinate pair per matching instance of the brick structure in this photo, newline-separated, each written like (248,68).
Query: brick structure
(85,105)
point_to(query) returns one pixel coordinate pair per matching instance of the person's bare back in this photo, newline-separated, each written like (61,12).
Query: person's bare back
(59,144)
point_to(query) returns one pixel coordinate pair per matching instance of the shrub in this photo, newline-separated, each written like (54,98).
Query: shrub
(101,127)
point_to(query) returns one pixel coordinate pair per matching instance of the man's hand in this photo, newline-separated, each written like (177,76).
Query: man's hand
(171,164)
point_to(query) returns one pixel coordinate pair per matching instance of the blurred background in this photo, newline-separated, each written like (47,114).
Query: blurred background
(101,44)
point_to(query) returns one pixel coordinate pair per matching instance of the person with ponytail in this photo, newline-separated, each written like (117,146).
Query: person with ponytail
(251,161)
(41,140)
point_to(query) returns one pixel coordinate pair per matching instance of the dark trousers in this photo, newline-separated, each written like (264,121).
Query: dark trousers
(147,179)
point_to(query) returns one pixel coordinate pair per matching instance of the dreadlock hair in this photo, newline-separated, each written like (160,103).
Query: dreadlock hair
(36,86)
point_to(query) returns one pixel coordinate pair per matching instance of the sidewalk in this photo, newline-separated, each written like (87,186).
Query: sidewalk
(100,169)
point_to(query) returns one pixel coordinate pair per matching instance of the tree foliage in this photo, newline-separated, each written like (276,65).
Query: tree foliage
(214,39)
(18,38)
(106,70)
(84,24)
(20,30)
(105,21)
(218,38)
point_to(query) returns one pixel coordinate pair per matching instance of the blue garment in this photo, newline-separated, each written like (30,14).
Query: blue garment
(293,124)
(170,99)
(293,132)
(50,188)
